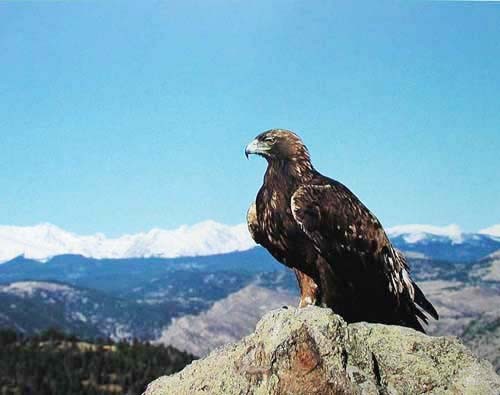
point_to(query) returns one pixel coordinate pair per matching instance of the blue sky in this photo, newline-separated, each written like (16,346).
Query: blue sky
(120,116)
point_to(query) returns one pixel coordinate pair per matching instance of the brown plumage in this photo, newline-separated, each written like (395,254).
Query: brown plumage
(337,248)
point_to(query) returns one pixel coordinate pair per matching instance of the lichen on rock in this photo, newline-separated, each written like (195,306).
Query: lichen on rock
(313,351)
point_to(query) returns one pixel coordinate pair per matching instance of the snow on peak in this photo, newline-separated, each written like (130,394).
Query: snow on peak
(40,242)
(205,238)
(491,231)
(416,232)
(43,241)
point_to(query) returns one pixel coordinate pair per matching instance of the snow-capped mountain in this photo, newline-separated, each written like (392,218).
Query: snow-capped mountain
(417,233)
(491,231)
(40,242)
(447,243)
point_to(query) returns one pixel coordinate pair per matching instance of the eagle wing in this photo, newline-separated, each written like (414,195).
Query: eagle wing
(337,222)
(339,225)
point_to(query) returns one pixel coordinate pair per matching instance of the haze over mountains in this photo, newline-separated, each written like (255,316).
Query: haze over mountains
(41,242)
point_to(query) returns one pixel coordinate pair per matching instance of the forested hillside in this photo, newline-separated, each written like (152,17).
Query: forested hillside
(53,363)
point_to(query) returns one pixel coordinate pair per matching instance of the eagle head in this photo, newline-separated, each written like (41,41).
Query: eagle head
(278,145)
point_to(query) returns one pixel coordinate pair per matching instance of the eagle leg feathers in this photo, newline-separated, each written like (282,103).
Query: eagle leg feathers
(309,290)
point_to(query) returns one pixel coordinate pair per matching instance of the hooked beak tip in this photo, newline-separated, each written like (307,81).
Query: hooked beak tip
(251,148)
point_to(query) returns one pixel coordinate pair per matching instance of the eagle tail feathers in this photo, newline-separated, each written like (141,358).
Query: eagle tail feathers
(423,302)
(419,303)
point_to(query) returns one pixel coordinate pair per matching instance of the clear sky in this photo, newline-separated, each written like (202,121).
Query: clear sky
(121,116)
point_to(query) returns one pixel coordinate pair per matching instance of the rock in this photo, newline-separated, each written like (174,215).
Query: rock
(313,351)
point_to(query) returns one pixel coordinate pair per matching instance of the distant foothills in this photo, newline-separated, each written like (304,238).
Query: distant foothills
(43,241)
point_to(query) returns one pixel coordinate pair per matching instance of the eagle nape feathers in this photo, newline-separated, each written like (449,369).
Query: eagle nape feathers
(338,249)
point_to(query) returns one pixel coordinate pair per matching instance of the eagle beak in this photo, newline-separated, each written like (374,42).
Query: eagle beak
(256,147)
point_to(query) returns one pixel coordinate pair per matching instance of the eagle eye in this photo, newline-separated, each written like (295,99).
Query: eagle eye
(269,139)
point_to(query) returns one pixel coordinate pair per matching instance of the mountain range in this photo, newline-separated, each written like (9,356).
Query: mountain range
(41,242)
(184,293)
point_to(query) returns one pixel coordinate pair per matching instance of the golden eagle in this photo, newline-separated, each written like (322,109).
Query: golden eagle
(339,251)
